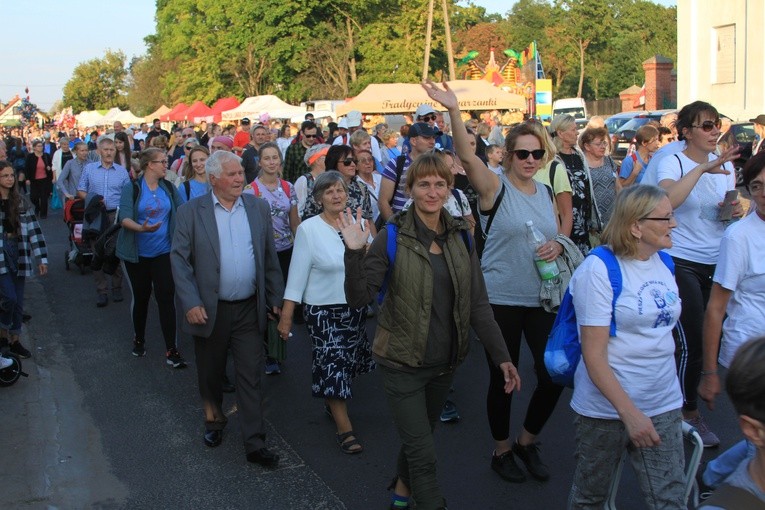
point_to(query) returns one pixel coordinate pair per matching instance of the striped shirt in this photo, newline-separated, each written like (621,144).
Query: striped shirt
(400,196)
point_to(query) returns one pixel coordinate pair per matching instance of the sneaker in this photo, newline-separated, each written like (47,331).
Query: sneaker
(506,467)
(449,413)
(5,362)
(20,351)
(117,295)
(529,455)
(174,359)
(708,437)
(704,490)
(138,349)
(272,367)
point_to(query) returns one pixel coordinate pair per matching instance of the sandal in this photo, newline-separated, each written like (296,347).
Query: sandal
(348,445)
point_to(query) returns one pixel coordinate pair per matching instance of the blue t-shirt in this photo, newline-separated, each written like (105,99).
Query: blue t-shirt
(628,164)
(154,206)
(197,189)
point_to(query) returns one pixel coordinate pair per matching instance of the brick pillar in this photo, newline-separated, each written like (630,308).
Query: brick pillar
(673,89)
(628,98)
(659,89)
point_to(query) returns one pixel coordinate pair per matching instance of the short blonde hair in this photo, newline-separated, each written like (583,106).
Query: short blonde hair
(358,137)
(560,123)
(632,203)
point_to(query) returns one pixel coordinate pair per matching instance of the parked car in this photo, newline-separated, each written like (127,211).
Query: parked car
(624,137)
(743,135)
(617,120)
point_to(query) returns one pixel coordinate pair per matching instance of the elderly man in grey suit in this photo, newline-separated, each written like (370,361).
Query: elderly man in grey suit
(226,276)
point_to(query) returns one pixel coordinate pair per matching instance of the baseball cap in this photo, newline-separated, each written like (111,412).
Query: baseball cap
(343,124)
(760,119)
(422,110)
(245,120)
(421,129)
(353,118)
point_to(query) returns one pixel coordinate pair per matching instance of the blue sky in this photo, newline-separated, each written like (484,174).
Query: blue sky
(48,38)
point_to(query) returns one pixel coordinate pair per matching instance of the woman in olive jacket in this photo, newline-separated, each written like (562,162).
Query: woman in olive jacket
(437,277)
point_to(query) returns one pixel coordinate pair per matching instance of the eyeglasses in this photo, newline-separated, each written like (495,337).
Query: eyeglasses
(188,136)
(310,136)
(668,219)
(189,147)
(163,161)
(756,188)
(708,125)
(348,161)
(428,118)
(523,154)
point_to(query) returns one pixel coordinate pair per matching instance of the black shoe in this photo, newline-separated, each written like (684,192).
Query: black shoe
(264,457)
(25,317)
(20,351)
(102,300)
(213,438)
(138,349)
(506,467)
(529,455)
(227,386)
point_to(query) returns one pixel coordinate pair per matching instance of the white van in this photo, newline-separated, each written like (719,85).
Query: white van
(574,106)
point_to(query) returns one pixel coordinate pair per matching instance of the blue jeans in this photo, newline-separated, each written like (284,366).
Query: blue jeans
(726,463)
(660,469)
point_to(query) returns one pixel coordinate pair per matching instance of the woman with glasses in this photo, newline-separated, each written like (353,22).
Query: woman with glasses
(366,174)
(340,158)
(512,279)
(584,203)
(696,181)
(193,182)
(626,393)
(147,215)
(603,170)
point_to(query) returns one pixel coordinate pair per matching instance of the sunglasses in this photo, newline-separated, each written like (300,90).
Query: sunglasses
(188,136)
(310,136)
(348,161)
(708,125)
(523,154)
(428,118)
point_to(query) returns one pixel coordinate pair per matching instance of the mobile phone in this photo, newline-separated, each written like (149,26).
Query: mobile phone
(726,211)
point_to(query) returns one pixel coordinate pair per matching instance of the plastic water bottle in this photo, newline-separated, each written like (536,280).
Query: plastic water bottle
(548,271)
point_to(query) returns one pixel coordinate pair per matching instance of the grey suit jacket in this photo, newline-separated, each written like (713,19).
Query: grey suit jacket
(196,260)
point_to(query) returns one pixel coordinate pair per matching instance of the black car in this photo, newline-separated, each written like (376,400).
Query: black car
(743,135)
(625,135)
(614,122)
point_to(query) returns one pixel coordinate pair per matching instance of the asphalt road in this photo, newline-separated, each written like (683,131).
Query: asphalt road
(94,427)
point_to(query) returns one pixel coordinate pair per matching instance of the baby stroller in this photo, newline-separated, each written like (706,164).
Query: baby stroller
(79,253)
(12,373)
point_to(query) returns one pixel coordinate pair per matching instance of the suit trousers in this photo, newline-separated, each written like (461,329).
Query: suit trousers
(236,325)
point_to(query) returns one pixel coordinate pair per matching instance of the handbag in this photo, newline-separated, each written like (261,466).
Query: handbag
(55,201)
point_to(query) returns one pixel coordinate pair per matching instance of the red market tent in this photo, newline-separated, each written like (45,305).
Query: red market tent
(172,114)
(198,109)
(220,106)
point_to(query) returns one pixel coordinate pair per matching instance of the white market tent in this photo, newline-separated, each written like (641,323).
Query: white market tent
(253,107)
(111,116)
(89,118)
(406,97)
(127,117)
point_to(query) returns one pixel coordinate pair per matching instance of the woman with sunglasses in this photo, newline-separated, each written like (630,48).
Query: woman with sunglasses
(696,181)
(512,280)
(340,158)
(193,182)
(176,168)
(147,215)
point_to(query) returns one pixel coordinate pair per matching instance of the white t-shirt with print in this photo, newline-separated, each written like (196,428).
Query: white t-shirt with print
(741,269)
(641,354)
(698,232)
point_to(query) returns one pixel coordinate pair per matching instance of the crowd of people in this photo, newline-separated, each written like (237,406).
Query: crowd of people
(312,225)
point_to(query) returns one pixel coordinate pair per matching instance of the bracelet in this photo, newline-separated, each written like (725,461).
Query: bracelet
(709,372)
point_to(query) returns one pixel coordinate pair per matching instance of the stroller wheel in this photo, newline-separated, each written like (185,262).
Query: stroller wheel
(9,376)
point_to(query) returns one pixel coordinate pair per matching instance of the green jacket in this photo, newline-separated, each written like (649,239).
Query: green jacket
(404,320)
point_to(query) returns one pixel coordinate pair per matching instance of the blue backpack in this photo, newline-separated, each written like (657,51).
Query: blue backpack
(392,246)
(564,350)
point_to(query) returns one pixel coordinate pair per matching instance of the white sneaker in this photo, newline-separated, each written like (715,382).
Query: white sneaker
(5,362)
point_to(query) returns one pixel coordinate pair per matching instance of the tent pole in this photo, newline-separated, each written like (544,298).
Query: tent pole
(428,36)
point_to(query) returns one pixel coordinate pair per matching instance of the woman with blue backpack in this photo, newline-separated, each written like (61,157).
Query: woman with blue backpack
(626,391)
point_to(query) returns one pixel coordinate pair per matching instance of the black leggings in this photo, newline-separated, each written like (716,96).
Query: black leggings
(535,325)
(147,273)
(39,194)
(694,283)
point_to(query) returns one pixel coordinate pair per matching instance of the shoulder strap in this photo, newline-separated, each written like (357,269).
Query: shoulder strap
(400,162)
(550,192)
(255,188)
(614,276)
(493,211)
(456,195)
(390,249)
(667,259)
(187,187)
(553,165)
(285,187)
(681,165)
(729,496)
(135,192)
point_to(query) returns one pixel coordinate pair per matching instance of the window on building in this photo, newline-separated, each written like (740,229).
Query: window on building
(724,54)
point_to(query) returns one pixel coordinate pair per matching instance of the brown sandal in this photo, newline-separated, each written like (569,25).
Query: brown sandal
(348,445)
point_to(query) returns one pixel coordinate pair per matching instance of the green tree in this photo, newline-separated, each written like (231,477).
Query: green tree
(98,83)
